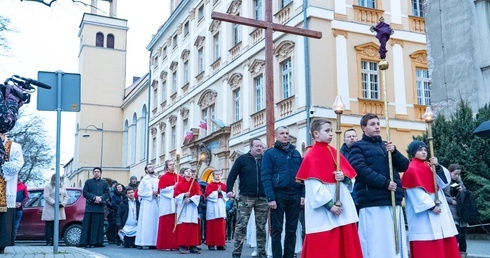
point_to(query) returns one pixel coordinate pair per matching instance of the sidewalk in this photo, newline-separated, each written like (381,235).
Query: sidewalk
(47,251)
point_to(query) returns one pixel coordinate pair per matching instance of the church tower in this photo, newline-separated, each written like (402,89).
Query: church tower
(102,65)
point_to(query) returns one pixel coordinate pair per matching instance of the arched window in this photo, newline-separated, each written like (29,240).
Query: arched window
(110,41)
(133,134)
(143,132)
(99,39)
(125,144)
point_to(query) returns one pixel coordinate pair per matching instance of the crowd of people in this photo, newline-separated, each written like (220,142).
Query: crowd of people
(291,197)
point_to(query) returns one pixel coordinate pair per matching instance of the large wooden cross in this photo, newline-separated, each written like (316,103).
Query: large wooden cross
(269,27)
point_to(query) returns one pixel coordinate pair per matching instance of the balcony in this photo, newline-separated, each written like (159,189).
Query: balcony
(284,15)
(216,65)
(371,106)
(200,78)
(162,159)
(367,15)
(416,24)
(236,128)
(258,118)
(286,107)
(257,35)
(235,51)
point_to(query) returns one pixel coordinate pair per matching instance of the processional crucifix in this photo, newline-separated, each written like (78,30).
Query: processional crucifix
(269,28)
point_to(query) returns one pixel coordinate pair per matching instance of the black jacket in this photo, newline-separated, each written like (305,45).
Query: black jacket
(370,160)
(123,211)
(93,188)
(248,169)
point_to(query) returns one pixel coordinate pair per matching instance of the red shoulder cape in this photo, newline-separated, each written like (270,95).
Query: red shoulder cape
(168,179)
(418,174)
(320,164)
(184,186)
(213,186)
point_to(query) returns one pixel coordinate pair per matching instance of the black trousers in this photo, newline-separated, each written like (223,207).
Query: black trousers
(7,227)
(49,232)
(288,205)
(461,237)
(129,241)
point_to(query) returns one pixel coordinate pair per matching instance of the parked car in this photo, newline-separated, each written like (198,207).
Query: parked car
(70,230)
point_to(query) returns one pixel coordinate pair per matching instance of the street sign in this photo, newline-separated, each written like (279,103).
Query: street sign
(70,91)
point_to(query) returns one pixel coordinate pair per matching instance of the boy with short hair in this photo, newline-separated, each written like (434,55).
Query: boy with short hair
(216,212)
(127,218)
(330,230)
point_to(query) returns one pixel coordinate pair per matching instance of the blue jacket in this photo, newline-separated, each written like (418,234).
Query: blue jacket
(370,160)
(279,169)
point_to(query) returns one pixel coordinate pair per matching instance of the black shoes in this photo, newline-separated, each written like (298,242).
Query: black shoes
(211,248)
(99,245)
(194,250)
(221,248)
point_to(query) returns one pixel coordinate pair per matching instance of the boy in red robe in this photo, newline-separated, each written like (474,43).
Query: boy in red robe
(167,237)
(330,229)
(187,195)
(216,213)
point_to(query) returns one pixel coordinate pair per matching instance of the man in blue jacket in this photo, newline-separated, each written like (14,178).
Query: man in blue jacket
(369,157)
(247,168)
(284,195)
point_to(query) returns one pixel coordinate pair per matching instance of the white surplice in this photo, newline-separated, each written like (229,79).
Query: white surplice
(166,201)
(216,207)
(148,216)
(11,170)
(189,211)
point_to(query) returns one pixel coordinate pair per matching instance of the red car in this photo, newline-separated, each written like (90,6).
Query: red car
(32,227)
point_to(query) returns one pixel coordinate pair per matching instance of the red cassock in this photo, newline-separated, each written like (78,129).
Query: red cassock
(167,238)
(215,228)
(188,234)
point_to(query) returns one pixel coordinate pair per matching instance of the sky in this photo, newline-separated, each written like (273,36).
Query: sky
(46,39)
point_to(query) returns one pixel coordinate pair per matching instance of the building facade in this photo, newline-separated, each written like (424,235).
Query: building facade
(207,78)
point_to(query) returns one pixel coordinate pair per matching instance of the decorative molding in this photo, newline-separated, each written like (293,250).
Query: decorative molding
(169,41)
(153,131)
(284,49)
(173,65)
(207,99)
(179,28)
(199,41)
(192,14)
(234,7)
(214,26)
(162,126)
(163,75)
(185,54)
(172,119)
(154,83)
(369,49)
(257,67)
(420,56)
(184,112)
(235,80)
(397,41)
(337,32)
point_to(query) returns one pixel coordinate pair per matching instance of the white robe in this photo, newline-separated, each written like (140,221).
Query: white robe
(148,216)
(377,235)
(11,171)
(131,226)
(166,201)
(216,207)
(423,224)
(189,211)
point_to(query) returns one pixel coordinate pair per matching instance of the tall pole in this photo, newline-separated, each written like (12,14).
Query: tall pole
(102,145)
(429,118)
(338,107)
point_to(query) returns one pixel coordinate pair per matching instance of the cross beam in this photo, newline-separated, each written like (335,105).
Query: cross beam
(269,28)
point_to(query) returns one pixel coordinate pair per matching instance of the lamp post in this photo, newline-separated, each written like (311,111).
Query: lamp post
(338,107)
(86,135)
(429,118)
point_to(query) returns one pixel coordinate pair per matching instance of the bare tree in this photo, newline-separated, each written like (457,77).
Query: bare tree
(30,133)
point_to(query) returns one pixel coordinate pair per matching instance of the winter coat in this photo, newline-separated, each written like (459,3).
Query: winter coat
(123,212)
(49,199)
(248,169)
(369,158)
(452,207)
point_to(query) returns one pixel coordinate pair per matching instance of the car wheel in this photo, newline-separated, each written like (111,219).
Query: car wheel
(72,235)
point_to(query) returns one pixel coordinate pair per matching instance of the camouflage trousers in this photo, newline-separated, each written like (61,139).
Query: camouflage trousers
(245,206)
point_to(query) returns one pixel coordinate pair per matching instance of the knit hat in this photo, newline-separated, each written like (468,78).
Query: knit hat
(414,146)
(133,177)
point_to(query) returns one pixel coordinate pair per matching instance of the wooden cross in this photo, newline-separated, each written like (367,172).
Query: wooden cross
(269,27)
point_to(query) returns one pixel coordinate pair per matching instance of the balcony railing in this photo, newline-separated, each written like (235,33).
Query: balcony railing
(286,107)
(200,78)
(257,35)
(162,159)
(417,24)
(235,51)
(216,65)
(236,128)
(371,106)
(258,119)
(367,15)
(284,15)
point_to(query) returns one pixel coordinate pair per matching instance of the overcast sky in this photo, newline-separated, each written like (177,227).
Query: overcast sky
(45,39)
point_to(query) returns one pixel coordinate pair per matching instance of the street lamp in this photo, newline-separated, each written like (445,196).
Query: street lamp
(86,135)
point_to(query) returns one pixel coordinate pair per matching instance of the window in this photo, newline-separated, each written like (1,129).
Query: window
(164,91)
(153,148)
(259,93)
(236,33)
(164,52)
(155,97)
(208,114)
(186,125)
(110,41)
(174,82)
(186,28)
(369,77)
(186,72)
(200,13)
(163,150)
(367,3)
(258,9)
(200,60)
(173,141)
(287,79)
(423,88)
(174,41)
(236,104)
(99,39)
(285,2)
(216,46)
(418,8)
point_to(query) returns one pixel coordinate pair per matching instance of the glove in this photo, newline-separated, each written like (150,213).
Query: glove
(14,94)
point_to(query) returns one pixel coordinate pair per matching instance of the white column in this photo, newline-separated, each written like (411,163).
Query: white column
(342,70)
(399,83)
(168,138)
(396,11)
(340,6)
(246,90)
(300,72)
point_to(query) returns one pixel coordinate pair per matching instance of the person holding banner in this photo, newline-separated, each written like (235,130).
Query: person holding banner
(369,157)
